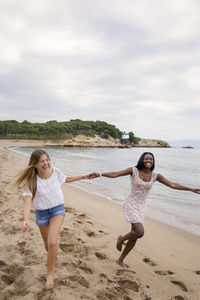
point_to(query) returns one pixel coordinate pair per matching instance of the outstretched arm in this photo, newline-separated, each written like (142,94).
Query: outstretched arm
(176,186)
(125,172)
(79,177)
(26,211)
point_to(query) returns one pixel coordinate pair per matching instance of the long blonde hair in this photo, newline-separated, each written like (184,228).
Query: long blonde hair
(27,177)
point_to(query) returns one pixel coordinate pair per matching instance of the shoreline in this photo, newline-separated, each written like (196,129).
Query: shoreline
(165,264)
(161,219)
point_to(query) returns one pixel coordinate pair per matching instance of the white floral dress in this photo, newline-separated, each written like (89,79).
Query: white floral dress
(135,201)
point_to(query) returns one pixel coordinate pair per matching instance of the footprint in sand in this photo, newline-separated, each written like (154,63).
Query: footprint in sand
(6,212)
(100,255)
(19,288)
(128,284)
(111,293)
(80,218)
(69,209)
(164,272)
(82,266)
(69,281)
(12,273)
(21,247)
(89,222)
(125,272)
(13,269)
(44,295)
(6,182)
(79,222)
(180,284)
(12,230)
(66,233)
(31,259)
(80,240)
(76,249)
(70,266)
(149,262)
(103,232)
(2,264)
(197,272)
(67,247)
(80,279)
(127,280)
(90,233)
(8,279)
(61,282)
(178,298)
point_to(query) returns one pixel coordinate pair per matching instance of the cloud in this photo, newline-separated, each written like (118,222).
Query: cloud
(134,64)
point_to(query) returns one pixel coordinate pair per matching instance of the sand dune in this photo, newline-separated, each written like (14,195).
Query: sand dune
(164,265)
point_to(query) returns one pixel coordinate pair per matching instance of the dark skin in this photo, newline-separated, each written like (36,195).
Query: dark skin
(137,229)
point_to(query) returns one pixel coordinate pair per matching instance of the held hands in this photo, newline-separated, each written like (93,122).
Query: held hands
(92,175)
(25,226)
(89,176)
(97,174)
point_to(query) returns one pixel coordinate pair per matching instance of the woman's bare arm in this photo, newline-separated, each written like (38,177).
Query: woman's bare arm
(79,177)
(125,172)
(176,186)
(26,212)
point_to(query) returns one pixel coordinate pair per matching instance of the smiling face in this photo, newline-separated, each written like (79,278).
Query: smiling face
(148,161)
(43,164)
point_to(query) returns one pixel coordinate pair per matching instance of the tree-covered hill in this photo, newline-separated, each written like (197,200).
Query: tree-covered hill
(53,130)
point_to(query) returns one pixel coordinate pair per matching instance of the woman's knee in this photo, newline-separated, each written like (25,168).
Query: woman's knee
(52,243)
(139,230)
(140,233)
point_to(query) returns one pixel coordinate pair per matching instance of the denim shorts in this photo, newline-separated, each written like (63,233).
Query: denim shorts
(43,216)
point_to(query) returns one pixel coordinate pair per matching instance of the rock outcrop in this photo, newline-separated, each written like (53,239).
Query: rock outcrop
(150,143)
(97,141)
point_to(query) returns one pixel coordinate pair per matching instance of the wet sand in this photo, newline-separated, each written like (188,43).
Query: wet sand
(165,264)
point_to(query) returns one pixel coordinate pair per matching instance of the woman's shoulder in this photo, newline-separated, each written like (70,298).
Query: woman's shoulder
(60,175)
(154,176)
(57,171)
(134,170)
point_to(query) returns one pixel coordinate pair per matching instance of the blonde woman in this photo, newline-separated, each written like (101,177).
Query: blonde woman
(42,184)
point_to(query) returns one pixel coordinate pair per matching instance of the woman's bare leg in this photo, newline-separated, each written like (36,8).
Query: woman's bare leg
(44,230)
(50,235)
(129,246)
(137,231)
(52,242)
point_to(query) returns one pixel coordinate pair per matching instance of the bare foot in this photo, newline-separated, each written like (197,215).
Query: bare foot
(49,283)
(119,243)
(123,265)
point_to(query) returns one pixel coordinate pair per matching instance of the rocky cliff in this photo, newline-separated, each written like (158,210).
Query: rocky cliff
(152,143)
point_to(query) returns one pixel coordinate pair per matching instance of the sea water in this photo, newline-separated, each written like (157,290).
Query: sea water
(178,208)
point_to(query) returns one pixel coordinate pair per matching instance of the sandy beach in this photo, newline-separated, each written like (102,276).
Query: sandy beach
(164,265)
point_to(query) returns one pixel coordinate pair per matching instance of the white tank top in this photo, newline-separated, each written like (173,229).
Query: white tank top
(49,193)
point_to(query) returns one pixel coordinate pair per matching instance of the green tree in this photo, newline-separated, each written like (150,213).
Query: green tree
(131,136)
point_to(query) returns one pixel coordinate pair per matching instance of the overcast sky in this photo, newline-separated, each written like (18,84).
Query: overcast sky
(132,63)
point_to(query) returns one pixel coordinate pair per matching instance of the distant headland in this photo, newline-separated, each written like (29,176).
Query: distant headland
(73,133)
